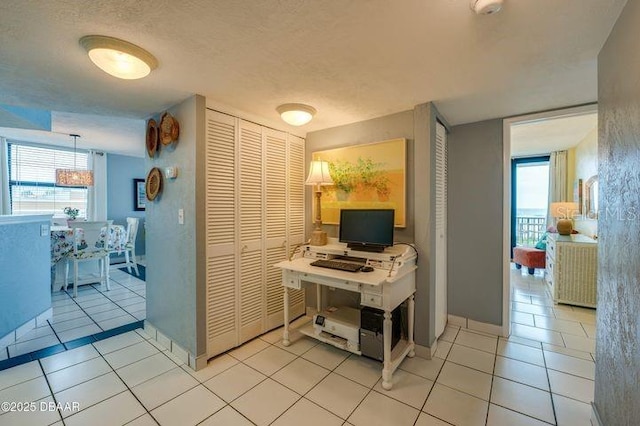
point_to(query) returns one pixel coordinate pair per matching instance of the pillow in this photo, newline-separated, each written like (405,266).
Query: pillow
(542,243)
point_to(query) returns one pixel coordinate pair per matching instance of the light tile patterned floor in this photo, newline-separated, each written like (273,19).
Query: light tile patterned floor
(94,310)
(478,380)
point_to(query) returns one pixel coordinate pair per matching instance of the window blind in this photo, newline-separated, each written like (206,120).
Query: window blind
(32,178)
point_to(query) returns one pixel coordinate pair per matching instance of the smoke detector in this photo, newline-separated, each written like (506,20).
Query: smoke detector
(486,7)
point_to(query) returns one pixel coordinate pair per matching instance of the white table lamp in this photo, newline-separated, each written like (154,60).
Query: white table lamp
(318,176)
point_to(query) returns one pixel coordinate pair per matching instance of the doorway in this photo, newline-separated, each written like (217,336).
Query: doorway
(511,127)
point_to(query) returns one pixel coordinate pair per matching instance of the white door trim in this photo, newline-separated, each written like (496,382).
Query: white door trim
(506,213)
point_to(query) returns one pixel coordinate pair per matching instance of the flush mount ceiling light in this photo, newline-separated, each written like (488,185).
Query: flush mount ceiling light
(486,7)
(296,114)
(118,57)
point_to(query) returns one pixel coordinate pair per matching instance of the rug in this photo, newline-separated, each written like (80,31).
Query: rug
(141,269)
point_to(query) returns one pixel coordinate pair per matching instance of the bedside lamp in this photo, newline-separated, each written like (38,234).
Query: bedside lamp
(563,212)
(318,176)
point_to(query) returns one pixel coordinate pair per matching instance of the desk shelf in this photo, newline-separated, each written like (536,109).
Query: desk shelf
(327,338)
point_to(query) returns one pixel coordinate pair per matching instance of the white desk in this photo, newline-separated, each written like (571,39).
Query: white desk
(391,283)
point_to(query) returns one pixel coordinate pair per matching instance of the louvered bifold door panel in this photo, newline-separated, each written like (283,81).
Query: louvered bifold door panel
(276,223)
(295,211)
(251,182)
(276,150)
(220,175)
(251,202)
(221,273)
(274,289)
(251,294)
(441,229)
(221,304)
(295,185)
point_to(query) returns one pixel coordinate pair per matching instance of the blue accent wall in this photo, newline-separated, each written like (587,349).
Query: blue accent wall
(121,171)
(176,286)
(25,273)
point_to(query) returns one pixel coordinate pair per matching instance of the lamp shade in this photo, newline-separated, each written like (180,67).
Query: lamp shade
(74,177)
(118,57)
(296,114)
(319,174)
(71,177)
(564,210)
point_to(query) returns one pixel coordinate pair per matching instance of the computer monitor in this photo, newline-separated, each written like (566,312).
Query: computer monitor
(367,230)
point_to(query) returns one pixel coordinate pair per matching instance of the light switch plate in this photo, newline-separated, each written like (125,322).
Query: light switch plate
(171,172)
(44,230)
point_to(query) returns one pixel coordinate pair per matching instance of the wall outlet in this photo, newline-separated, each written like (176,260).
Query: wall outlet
(44,230)
(180,216)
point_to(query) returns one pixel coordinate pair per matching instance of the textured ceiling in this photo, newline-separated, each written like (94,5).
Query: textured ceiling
(545,136)
(352,60)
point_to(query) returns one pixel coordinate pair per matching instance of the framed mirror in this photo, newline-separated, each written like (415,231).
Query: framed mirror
(591,197)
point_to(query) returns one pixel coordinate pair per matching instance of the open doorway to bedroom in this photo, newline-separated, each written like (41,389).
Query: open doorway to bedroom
(548,159)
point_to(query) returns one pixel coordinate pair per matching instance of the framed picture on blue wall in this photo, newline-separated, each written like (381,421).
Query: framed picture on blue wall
(139,195)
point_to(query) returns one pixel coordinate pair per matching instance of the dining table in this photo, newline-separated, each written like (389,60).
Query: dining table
(62,241)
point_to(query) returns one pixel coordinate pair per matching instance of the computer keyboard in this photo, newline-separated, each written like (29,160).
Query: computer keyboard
(337,264)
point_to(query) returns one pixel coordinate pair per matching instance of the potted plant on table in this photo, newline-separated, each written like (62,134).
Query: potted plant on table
(71,213)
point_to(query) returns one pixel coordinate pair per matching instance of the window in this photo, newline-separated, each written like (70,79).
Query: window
(32,180)
(530,198)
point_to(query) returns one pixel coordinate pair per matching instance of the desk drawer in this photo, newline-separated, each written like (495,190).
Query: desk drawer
(371,299)
(291,280)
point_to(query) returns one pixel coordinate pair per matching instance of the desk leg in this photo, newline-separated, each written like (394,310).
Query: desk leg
(410,325)
(285,332)
(318,297)
(387,370)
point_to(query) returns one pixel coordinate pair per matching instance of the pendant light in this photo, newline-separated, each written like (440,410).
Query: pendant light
(74,177)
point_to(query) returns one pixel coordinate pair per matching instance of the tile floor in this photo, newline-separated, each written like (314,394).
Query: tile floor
(94,310)
(542,374)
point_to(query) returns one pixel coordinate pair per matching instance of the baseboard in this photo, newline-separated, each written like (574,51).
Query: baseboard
(425,351)
(482,327)
(13,336)
(595,417)
(195,363)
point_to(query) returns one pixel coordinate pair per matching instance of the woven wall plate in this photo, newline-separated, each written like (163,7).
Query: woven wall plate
(152,137)
(153,184)
(169,129)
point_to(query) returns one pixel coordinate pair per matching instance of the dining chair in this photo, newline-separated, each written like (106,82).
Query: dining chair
(90,243)
(130,246)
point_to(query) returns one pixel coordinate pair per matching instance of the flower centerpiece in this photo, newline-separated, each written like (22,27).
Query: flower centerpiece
(71,213)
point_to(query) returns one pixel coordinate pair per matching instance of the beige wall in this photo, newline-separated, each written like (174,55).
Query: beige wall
(586,165)
(571,172)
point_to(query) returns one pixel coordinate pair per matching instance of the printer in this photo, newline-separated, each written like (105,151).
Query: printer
(341,325)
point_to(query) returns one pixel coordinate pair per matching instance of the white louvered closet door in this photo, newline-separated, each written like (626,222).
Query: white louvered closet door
(221,240)
(276,214)
(295,203)
(441,229)
(251,202)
